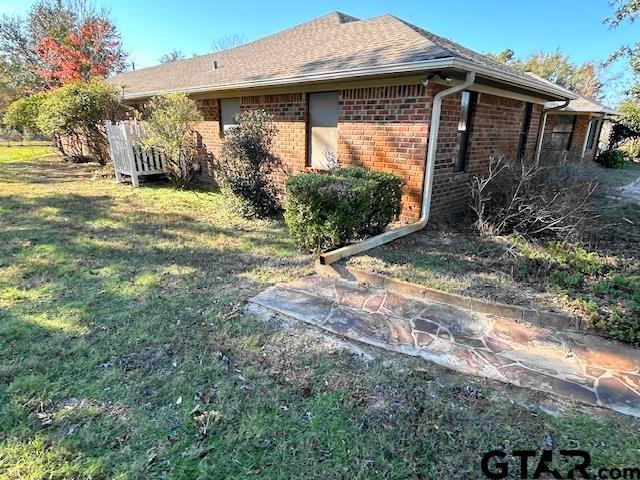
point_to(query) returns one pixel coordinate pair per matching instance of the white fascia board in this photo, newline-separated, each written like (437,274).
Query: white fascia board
(515,80)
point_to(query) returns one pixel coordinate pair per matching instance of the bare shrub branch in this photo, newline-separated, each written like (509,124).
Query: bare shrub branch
(532,199)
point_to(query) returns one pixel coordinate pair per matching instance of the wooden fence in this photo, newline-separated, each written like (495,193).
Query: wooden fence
(128,157)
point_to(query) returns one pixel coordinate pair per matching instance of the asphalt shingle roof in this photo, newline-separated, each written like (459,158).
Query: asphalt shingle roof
(589,105)
(581,104)
(332,43)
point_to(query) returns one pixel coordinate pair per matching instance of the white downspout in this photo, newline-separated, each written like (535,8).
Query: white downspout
(386,237)
(543,125)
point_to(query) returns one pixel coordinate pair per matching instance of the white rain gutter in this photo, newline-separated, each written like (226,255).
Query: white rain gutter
(386,237)
(543,125)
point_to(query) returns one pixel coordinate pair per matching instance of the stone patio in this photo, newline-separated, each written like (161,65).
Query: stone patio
(581,367)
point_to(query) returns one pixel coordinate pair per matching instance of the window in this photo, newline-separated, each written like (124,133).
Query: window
(594,126)
(562,131)
(467,99)
(323,129)
(229,109)
(524,129)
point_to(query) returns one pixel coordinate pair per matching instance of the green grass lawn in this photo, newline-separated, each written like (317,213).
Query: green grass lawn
(619,177)
(125,352)
(18,153)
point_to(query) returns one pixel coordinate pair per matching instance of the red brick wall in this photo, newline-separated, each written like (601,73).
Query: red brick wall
(386,128)
(289,113)
(495,127)
(208,137)
(383,128)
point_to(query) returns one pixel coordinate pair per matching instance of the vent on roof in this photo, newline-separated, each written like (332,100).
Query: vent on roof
(215,64)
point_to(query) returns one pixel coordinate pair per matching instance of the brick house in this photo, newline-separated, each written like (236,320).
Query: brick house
(370,93)
(574,131)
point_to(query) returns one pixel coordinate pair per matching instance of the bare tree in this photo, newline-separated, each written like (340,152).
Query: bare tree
(228,42)
(172,56)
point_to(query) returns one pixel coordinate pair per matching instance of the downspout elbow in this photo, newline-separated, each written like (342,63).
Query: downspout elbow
(543,124)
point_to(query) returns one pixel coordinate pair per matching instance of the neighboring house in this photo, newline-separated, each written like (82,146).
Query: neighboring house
(574,130)
(362,92)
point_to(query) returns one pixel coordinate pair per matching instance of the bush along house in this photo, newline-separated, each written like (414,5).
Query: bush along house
(378,93)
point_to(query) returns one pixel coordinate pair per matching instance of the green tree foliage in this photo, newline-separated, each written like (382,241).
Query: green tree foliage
(627,124)
(627,11)
(8,92)
(22,114)
(77,112)
(504,56)
(247,162)
(558,68)
(169,128)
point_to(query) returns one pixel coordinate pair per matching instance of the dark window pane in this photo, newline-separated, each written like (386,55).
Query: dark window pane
(562,133)
(593,128)
(524,129)
(563,124)
(560,140)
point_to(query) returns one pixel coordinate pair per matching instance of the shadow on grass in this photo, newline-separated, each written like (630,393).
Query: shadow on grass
(458,262)
(45,171)
(122,336)
(99,300)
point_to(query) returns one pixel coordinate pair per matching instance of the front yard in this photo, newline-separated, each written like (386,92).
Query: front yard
(125,352)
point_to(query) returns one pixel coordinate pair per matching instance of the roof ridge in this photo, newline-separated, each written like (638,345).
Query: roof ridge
(424,33)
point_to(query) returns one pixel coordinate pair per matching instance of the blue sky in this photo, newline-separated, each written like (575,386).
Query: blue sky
(152,28)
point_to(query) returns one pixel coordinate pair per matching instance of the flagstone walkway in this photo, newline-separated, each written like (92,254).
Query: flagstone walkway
(585,368)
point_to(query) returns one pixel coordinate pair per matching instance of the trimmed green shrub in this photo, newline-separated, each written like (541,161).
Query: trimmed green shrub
(387,196)
(324,211)
(612,159)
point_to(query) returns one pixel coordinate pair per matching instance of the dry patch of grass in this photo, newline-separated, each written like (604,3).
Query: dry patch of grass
(598,279)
